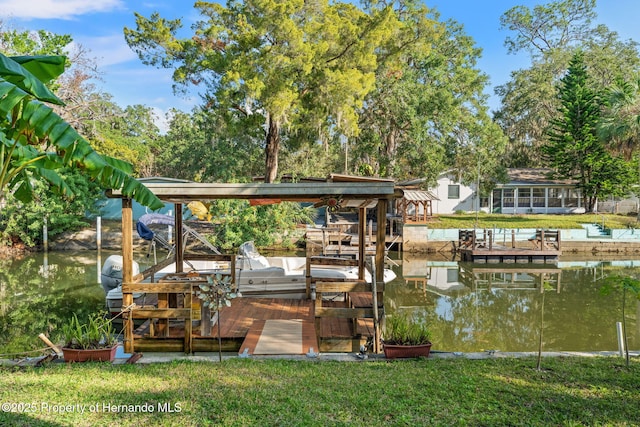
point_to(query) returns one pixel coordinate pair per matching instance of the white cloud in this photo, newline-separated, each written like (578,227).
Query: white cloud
(59,9)
(108,50)
(161,120)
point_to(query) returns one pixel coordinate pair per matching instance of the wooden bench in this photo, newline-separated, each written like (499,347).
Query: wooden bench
(546,240)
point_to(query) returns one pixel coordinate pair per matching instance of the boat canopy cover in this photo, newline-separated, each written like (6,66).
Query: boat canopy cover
(153,218)
(156,218)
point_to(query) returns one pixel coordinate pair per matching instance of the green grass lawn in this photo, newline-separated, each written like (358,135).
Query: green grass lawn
(468,220)
(572,391)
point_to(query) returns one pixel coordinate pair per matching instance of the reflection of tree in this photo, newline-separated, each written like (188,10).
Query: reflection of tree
(576,316)
(490,319)
(37,304)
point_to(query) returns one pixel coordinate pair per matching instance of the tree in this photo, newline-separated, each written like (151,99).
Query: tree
(574,149)
(620,123)
(288,63)
(128,133)
(429,106)
(619,127)
(22,223)
(551,34)
(35,142)
(204,146)
(237,222)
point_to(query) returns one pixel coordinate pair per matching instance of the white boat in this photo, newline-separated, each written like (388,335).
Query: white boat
(260,276)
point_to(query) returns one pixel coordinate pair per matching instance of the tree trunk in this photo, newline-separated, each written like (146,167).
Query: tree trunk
(391,148)
(271,151)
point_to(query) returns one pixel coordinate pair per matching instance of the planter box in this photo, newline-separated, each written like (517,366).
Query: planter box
(406,351)
(94,355)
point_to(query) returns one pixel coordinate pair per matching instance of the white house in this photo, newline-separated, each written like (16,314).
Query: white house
(527,191)
(453,196)
(531,191)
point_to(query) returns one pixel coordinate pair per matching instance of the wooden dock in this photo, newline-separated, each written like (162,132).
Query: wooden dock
(479,247)
(242,324)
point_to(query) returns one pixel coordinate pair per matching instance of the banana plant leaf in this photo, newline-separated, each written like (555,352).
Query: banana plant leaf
(19,87)
(44,68)
(13,72)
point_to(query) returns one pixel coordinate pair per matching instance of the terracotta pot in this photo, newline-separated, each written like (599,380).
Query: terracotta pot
(392,351)
(93,355)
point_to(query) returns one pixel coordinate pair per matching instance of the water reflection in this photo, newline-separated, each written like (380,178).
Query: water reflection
(475,307)
(470,307)
(39,292)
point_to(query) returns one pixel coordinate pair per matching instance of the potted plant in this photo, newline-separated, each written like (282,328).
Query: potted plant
(403,338)
(91,341)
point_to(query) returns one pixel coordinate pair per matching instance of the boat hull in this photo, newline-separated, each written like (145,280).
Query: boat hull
(260,277)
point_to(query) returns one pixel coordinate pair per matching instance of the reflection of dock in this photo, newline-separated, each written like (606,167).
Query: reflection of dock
(510,276)
(478,246)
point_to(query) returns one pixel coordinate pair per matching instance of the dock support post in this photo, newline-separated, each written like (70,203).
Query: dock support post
(127,270)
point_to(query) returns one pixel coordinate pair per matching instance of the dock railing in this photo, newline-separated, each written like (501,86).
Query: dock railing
(176,305)
(360,304)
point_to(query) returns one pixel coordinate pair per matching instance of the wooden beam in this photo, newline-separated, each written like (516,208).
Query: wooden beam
(359,286)
(362,241)
(161,313)
(345,313)
(381,234)
(324,260)
(176,288)
(127,269)
(177,231)
(187,191)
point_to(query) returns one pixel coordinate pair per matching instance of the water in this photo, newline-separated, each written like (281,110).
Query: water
(467,307)
(473,307)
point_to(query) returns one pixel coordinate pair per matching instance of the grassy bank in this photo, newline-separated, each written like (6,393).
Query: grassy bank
(468,220)
(568,391)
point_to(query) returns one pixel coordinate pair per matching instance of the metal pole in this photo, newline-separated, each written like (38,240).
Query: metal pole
(45,236)
(99,233)
(374,298)
(620,338)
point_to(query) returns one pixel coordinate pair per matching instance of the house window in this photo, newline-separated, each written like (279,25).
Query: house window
(454,191)
(452,275)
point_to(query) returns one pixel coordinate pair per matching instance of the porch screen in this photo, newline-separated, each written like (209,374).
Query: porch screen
(507,198)
(572,198)
(538,197)
(524,197)
(555,197)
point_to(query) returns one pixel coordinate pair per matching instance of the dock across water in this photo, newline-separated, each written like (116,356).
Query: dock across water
(478,246)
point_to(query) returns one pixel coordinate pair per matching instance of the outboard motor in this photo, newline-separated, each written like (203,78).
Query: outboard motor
(111,276)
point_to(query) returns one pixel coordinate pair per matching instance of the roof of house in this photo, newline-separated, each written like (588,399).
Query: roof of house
(534,176)
(419,195)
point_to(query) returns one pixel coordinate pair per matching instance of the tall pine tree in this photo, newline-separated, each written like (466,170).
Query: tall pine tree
(574,150)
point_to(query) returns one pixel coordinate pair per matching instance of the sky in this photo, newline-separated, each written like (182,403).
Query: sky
(98,27)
